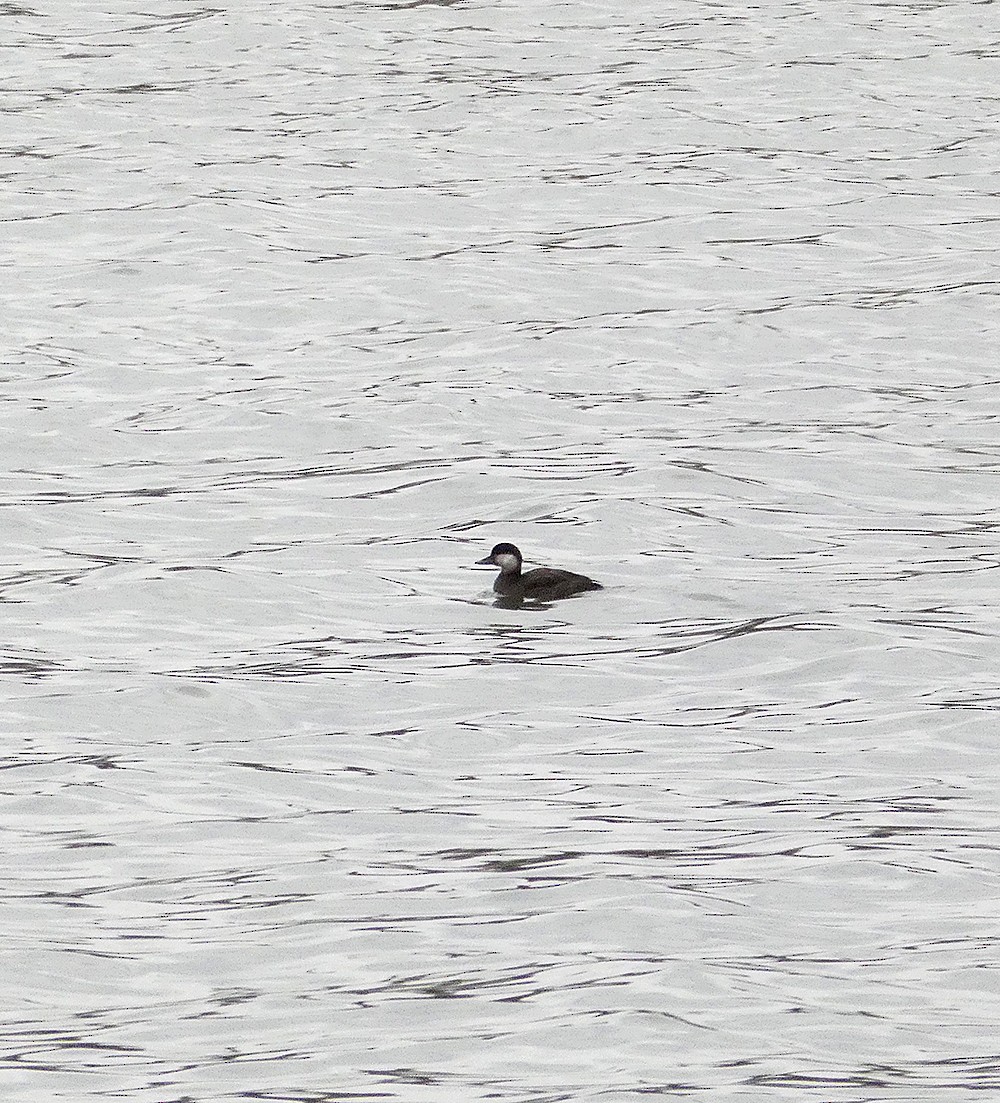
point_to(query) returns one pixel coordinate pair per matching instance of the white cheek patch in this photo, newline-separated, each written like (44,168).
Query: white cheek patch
(506,562)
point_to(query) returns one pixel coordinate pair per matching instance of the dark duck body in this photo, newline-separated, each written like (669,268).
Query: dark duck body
(541,584)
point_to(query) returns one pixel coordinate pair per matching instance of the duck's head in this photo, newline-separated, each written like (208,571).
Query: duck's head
(504,556)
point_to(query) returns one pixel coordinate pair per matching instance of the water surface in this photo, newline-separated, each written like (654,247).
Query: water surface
(308,306)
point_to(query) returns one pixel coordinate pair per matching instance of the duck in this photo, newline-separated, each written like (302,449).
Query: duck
(541,584)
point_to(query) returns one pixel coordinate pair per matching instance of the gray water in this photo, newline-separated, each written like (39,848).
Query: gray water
(306,306)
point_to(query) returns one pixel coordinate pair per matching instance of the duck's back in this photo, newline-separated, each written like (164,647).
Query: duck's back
(546,584)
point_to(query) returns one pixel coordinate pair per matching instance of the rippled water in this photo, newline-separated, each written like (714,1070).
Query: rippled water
(305,307)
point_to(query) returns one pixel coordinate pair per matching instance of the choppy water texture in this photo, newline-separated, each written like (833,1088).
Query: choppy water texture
(305,307)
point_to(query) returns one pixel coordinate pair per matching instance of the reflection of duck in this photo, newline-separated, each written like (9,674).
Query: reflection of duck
(541,584)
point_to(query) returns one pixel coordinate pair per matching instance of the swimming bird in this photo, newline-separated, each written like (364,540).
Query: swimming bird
(541,584)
